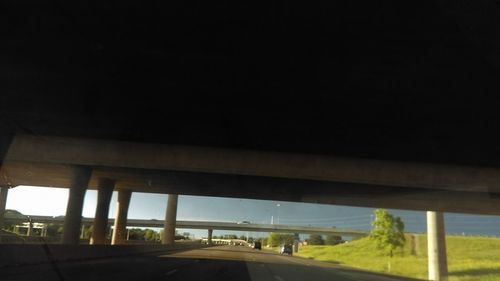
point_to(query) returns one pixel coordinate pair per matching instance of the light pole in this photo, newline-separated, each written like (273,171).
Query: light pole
(278,205)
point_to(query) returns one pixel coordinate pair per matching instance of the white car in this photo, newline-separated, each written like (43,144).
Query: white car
(286,249)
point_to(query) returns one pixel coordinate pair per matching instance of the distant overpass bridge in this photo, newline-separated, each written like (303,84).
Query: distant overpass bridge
(211,225)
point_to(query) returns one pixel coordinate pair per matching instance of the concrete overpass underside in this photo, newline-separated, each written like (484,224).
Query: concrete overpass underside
(255,187)
(160,168)
(266,99)
(154,168)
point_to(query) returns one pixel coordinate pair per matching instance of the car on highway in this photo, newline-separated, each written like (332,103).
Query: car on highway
(257,245)
(286,249)
(243,222)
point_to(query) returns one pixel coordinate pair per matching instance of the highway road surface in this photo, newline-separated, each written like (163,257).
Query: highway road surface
(204,264)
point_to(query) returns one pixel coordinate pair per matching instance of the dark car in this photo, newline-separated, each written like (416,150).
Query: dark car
(257,245)
(286,249)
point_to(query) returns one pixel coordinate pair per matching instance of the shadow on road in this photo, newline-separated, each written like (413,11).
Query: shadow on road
(476,272)
(195,264)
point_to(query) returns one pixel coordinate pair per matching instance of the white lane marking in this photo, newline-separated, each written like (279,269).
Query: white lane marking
(278,278)
(171,272)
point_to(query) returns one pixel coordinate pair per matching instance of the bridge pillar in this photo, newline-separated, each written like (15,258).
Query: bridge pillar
(104,191)
(82,232)
(120,227)
(4,191)
(30,228)
(73,218)
(170,220)
(296,239)
(209,239)
(295,246)
(436,247)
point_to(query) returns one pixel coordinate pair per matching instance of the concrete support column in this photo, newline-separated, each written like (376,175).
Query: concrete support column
(295,246)
(82,232)
(209,239)
(170,220)
(104,191)
(30,228)
(296,243)
(120,228)
(436,247)
(4,191)
(73,218)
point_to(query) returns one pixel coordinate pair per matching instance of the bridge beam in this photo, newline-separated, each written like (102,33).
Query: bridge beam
(105,188)
(120,227)
(170,220)
(4,191)
(93,152)
(436,247)
(73,218)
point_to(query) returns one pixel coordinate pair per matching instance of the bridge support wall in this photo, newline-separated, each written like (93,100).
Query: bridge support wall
(436,247)
(105,190)
(209,239)
(170,220)
(4,191)
(73,218)
(120,227)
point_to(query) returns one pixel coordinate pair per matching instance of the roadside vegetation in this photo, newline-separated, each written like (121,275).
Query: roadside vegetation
(470,258)
(389,250)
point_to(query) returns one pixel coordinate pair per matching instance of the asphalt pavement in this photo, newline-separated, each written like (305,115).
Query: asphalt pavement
(205,264)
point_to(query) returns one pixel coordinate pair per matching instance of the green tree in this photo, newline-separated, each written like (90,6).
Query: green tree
(180,237)
(136,234)
(150,235)
(276,239)
(315,239)
(287,238)
(52,229)
(388,233)
(264,241)
(332,239)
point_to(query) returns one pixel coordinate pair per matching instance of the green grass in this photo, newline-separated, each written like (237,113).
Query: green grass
(469,258)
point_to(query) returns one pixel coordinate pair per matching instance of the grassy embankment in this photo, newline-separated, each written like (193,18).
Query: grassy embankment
(469,258)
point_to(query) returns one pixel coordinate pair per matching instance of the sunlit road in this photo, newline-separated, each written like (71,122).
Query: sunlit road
(215,263)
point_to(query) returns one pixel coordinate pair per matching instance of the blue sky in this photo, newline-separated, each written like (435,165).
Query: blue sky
(52,202)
